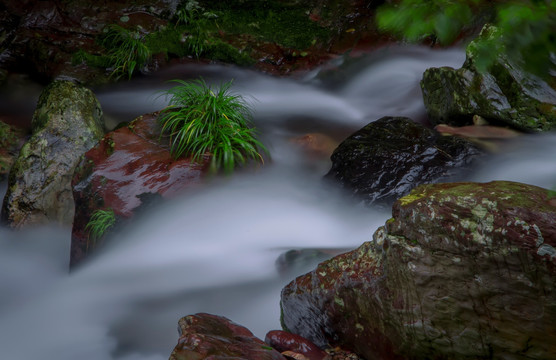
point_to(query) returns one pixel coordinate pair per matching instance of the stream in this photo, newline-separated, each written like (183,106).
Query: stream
(216,250)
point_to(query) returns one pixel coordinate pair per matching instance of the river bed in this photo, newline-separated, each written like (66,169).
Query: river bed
(215,250)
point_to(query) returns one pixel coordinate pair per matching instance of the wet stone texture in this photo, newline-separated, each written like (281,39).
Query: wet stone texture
(205,336)
(128,164)
(503,95)
(387,158)
(461,271)
(67,122)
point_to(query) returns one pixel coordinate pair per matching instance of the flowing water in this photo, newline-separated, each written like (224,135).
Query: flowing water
(215,250)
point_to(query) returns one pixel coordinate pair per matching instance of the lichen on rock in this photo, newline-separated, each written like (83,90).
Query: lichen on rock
(67,122)
(463,270)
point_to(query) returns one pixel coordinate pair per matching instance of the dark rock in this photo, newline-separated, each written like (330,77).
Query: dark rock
(67,122)
(205,336)
(41,37)
(127,167)
(505,94)
(387,158)
(461,271)
(285,341)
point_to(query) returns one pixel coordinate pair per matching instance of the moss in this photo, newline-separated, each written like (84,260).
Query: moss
(413,196)
(270,21)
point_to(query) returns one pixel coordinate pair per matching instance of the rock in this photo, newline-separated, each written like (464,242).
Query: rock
(67,122)
(127,165)
(506,94)
(206,336)
(461,271)
(478,131)
(387,158)
(41,37)
(316,145)
(284,341)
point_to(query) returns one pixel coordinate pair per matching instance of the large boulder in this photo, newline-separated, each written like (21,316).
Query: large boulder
(129,168)
(461,271)
(503,95)
(67,122)
(206,336)
(390,156)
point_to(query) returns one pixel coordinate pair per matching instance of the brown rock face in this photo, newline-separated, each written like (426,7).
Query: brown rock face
(461,271)
(127,163)
(205,336)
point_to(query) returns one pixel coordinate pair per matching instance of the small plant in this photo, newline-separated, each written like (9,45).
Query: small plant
(126,50)
(201,121)
(99,223)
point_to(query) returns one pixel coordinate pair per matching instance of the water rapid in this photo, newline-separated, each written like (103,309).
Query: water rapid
(215,250)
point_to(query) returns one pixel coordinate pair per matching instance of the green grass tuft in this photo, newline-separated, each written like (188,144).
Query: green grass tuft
(203,121)
(99,223)
(126,50)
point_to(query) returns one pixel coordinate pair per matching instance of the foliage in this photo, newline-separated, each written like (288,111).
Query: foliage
(99,223)
(126,50)
(270,21)
(6,135)
(525,28)
(201,121)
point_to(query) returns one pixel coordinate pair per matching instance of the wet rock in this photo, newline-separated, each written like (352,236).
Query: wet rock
(505,94)
(205,336)
(284,341)
(67,122)
(461,271)
(387,158)
(41,37)
(316,145)
(127,166)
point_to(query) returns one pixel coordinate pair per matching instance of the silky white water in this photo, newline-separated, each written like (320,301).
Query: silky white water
(215,250)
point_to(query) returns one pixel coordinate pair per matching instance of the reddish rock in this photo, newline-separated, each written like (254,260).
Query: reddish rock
(286,341)
(461,271)
(206,336)
(127,163)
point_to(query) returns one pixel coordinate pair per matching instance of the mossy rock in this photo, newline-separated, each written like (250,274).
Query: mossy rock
(67,122)
(461,271)
(505,94)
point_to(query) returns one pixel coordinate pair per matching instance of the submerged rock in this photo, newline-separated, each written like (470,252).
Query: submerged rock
(67,122)
(387,158)
(505,94)
(461,271)
(128,167)
(206,336)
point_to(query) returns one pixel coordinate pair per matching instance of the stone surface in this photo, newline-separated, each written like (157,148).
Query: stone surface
(285,341)
(41,37)
(461,271)
(387,158)
(128,165)
(505,94)
(206,336)
(67,122)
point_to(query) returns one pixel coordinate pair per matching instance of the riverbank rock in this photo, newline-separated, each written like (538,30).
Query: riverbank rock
(504,95)
(206,336)
(387,158)
(67,122)
(42,37)
(126,170)
(461,271)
